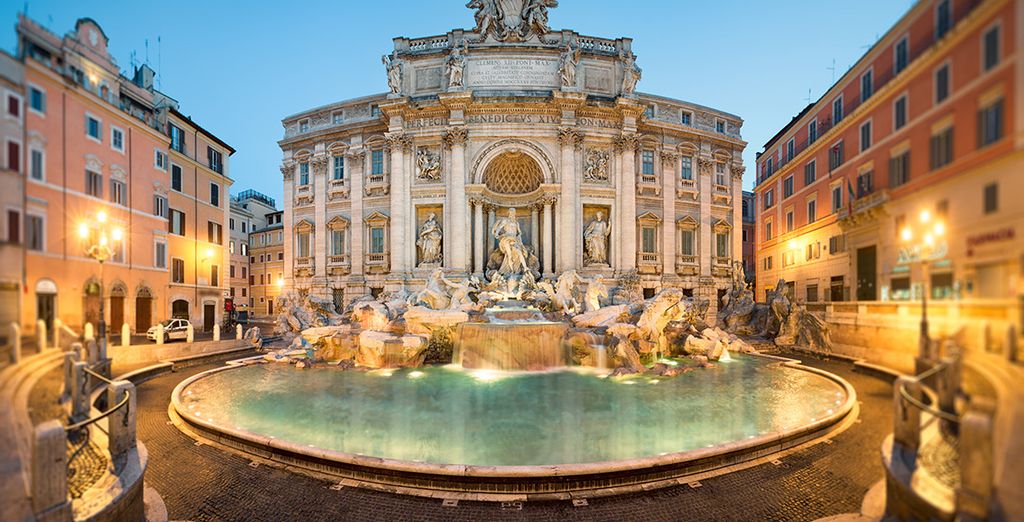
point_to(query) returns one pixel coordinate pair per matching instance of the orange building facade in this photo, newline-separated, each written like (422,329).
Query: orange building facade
(925,128)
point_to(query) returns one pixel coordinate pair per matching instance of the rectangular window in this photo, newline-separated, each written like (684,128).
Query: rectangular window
(214,232)
(377,240)
(339,167)
(835,156)
(337,118)
(769,199)
(36,164)
(812,293)
(649,112)
(303,125)
(215,194)
(14,156)
(942,83)
(686,247)
(991,50)
(160,206)
(899,169)
(94,184)
(177,138)
(899,113)
(117,192)
(769,167)
(176,225)
(231,224)
(13,226)
(176,183)
(93,128)
(214,275)
(160,254)
(374,110)
(810,172)
(836,244)
(720,173)
(215,159)
(720,126)
(116,139)
(837,110)
(865,136)
(37,100)
(304,173)
(14,106)
(990,124)
(160,159)
(943,18)
(177,270)
(790,149)
(941,148)
(649,241)
(837,198)
(867,86)
(812,211)
(686,168)
(812,131)
(768,230)
(865,183)
(901,56)
(337,242)
(787,187)
(789,221)
(647,162)
(722,245)
(302,244)
(34,229)
(991,198)
(377,162)
(686,118)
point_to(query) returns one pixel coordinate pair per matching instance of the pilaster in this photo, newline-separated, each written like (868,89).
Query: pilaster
(356,161)
(455,139)
(669,170)
(318,166)
(626,147)
(400,218)
(288,221)
(706,167)
(570,218)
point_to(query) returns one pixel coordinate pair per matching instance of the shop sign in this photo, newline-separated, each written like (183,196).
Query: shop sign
(915,253)
(998,236)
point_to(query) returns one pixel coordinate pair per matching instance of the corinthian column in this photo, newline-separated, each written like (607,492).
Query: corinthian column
(670,166)
(626,146)
(355,164)
(707,166)
(548,238)
(400,218)
(478,237)
(569,219)
(455,139)
(288,174)
(318,165)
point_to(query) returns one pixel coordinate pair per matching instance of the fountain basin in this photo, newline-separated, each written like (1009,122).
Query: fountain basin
(542,434)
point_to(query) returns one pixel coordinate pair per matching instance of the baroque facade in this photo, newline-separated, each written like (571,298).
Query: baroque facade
(510,117)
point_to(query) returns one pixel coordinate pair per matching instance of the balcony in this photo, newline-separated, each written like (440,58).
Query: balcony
(721,266)
(721,194)
(377,185)
(686,265)
(687,189)
(864,208)
(648,185)
(339,264)
(303,195)
(338,189)
(648,262)
(303,266)
(377,263)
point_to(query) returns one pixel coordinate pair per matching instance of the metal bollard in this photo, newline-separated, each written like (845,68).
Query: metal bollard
(1010,345)
(41,334)
(126,336)
(70,358)
(122,422)
(238,332)
(907,420)
(49,468)
(15,343)
(216,332)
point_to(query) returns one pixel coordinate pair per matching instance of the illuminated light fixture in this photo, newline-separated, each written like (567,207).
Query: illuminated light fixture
(925,216)
(940,228)
(101,217)
(209,253)
(83,230)
(907,235)
(929,240)
(792,244)
(280,282)
(117,234)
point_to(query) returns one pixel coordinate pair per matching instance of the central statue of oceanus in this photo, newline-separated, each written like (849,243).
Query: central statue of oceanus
(514,273)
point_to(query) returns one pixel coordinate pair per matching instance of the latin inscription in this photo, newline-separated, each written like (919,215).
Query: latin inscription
(512,72)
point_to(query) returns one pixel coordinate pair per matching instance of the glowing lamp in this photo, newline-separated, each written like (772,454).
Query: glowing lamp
(940,228)
(907,235)
(925,216)
(83,230)
(101,217)
(117,234)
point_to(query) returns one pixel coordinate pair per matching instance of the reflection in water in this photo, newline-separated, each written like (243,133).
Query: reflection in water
(489,417)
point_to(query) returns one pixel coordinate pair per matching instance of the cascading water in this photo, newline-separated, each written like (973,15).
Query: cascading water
(515,338)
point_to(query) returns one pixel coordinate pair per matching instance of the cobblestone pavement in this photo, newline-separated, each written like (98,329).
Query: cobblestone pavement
(204,483)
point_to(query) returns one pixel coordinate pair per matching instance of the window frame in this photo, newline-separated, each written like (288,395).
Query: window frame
(940,33)
(42,163)
(41,113)
(866,124)
(811,167)
(171,223)
(28,216)
(869,75)
(89,183)
(160,159)
(115,129)
(997,26)
(896,69)
(181,178)
(173,279)
(944,66)
(158,261)
(841,111)
(985,194)
(905,97)
(98,138)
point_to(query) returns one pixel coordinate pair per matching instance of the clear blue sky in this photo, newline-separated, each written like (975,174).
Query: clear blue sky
(239,67)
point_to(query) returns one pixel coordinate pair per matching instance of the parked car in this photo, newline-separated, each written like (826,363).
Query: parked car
(173,329)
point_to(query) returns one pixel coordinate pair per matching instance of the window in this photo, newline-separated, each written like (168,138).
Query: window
(991,48)
(790,149)
(942,209)
(686,118)
(899,221)
(991,198)
(812,211)
(215,194)
(337,242)
(768,230)
(865,136)
(769,167)
(647,162)
(94,184)
(901,55)
(745,236)
(376,162)
(13,106)
(867,86)
(177,138)
(176,225)
(768,263)
(789,221)
(899,169)
(810,172)
(812,131)
(34,231)
(686,168)
(942,83)
(176,177)
(687,244)
(837,198)
(244,272)
(865,183)
(177,270)
(13,226)
(231,224)
(990,124)
(117,192)
(649,112)
(214,275)
(837,110)
(160,159)
(304,173)
(14,156)
(941,148)
(720,173)
(116,139)
(722,244)
(377,240)
(160,254)
(943,18)
(214,232)
(215,159)
(339,167)
(769,199)
(302,244)
(720,126)
(37,100)
(303,125)
(899,113)
(787,187)
(835,156)
(231,247)
(649,240)
(374,110)
(244,227)
(812,293)
(337,118)
(93,128)
(159,206)
(244,250)
(836,244)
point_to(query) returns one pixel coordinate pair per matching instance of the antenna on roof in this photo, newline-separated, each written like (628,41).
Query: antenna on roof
(808,96)
(159,61)
(833,69)
(147,51)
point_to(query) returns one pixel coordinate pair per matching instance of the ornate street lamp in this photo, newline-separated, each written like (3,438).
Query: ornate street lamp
(101,243)
(923,238)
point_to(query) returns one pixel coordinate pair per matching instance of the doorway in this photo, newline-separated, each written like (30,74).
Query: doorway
(208,311)
(179,309)
(142,314)
(116,313)
(867,273)
(46,307)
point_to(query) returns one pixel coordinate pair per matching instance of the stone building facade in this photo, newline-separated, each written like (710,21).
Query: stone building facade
(266,264)
(380,191)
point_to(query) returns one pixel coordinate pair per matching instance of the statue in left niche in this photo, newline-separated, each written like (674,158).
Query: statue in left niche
(429,240)
(394,68)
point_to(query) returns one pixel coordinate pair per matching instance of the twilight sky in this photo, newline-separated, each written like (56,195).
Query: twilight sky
(239,67)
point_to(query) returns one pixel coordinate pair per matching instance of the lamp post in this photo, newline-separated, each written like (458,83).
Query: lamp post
(923,238)
(101,242)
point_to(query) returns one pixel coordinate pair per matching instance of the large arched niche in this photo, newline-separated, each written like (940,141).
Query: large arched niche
(514,153)
(513,172)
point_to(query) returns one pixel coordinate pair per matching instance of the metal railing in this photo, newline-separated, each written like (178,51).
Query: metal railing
(92,420)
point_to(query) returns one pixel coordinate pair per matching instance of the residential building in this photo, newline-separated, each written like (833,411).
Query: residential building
(13,159)
(749,213)
(934,135)
(266,262)
(249,212)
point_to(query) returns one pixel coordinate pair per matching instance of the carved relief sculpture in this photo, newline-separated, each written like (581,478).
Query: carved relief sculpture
(567,66)
(428,165)
(429,241)
(394,68)
(595,239)
(596,168)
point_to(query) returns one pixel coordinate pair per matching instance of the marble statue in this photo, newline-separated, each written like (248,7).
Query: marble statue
(535,17)
(567,66)
(454,67)
(737,306)
(435,292)
(595,238)
(596,290)
(563,293)
(510,244)
(596,168)
(428,165)
(631,73)
(460,297)
(429,240)
(394,68)
(486,16)
(511,20)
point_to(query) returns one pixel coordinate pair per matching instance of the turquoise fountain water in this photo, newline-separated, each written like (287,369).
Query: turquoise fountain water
(448,415)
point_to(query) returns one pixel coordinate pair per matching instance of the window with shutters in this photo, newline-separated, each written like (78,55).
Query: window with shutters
(810,172)
(787,187)
(13,156)
(941,148)
(177,270)
(991,197)
(837,111)
(835,156)
(339,167)
(867,86)
(94,184)
(214,232)
(942,83)
(899,113)
(865,136)
(899,169)
(901,55)
(176,223)
(990,53)
(865,183)
(990,124)
(176,181)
